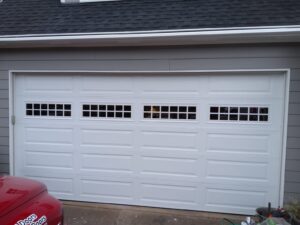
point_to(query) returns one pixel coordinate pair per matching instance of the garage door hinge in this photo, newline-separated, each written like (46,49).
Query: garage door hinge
(13,120)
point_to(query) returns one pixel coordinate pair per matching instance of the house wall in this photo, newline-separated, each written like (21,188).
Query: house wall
(164,59)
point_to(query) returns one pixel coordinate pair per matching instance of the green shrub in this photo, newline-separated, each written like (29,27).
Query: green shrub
(293,208)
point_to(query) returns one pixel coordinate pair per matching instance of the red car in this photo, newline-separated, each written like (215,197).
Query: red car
(27,202)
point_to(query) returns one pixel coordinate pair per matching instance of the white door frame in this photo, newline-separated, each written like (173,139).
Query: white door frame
(286,72)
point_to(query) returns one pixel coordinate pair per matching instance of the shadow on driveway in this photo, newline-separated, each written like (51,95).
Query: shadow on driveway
(106,214)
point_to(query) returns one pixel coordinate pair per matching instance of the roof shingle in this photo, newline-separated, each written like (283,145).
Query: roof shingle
(51,17)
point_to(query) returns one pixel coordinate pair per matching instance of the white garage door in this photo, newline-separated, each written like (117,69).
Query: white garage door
(209,142)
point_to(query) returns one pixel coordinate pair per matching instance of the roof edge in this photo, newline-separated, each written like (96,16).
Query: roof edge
(263,34)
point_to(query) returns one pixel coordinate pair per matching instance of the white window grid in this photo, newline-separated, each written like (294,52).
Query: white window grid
(110,111)
(34,109)
(170,112)
(239,113)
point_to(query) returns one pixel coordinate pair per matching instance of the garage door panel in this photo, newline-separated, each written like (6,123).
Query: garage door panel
(168,194)
(245,145)
(171,139)
(49,135)
(106,137)
(237,170)
(46,147)
(59,186)
(239,157)
(94,175)
(107,191)
(228,200)
(106,85)
(239,84)
(48,160)
(160,86)
(169,152)
(47,172)
(236,142)
(47,84)
(115,163)
(169,166)
(107,150)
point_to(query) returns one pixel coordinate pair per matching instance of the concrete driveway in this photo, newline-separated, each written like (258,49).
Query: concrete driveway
(105,214)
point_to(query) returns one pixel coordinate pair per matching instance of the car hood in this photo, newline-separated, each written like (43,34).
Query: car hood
(15,191)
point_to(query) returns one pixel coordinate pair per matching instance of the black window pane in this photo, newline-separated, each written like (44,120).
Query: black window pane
(36,106)
(223,117)
(67,113)
(155,108)
(59,113)
(86,107)
(28,106)
(102,114)
(264,110)
(173,109)
(253,118)
(51,106)
(173,116)
(67,107)
(164,115)
(214,109)
(263,118)
(244,110)
(102,107)
(182,116)
(119,115)
(85,114)
(59,106)
(147,115)
(37,112)
(111,108)
(127,108)
(253,110)
(243,117)
(182,109)
(214,116)
(119,108)
(44,112)
(234,109)
(147,108)
(224,109)
(110,114)
(192,116)
(94,107)
(29,112)
(165,108)
(127,115)
(44,106)
(51,113)
(233,117)
(94,114)
(192,109)
(155,115)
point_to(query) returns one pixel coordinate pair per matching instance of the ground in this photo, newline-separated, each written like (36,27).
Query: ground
(105,214)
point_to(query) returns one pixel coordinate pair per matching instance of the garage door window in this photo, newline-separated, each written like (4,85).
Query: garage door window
(170,112)
(106,111)
(49,110)
(234,113)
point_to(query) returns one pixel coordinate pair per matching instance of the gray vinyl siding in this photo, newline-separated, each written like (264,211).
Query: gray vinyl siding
(164,59)
(4,158)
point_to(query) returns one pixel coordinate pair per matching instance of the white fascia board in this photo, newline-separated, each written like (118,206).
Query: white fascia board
(83,1)
(271,34)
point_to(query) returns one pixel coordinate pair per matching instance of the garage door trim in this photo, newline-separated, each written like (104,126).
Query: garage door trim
(286,72)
